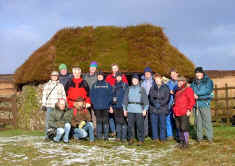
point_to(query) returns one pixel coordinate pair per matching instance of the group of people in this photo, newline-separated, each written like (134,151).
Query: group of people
(88,105)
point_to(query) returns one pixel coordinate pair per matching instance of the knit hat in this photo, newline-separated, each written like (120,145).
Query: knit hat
(148,69)
(62,66)
(100,73)
(93,64)
(199,70)
(54,73)
(118,74)
(135,76)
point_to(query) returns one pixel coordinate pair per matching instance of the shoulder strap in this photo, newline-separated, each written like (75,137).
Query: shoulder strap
(51,91)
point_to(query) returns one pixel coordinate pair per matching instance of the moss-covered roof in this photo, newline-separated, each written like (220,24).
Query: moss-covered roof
(132,48)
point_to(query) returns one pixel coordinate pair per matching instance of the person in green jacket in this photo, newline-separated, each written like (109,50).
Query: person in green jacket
(203,89)
(60,119)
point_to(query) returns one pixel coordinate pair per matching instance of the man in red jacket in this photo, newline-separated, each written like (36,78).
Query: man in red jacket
(76,88)
(111,79)
(184,102)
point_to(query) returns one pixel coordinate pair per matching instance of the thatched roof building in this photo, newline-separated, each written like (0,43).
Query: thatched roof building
(132,48)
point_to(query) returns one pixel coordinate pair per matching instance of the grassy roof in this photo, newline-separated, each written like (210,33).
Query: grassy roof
(132,48)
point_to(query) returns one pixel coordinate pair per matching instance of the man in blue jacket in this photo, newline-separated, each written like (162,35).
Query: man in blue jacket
(172,85)
(135,106)
(203,88)
(101,98)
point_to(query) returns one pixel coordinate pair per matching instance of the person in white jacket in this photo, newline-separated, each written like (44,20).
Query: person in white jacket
(52,91)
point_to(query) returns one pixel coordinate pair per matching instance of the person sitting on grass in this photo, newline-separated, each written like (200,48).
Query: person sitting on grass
(183,105)
(60,119)
(81,121)
(101,98)
(135,106)
(118,94)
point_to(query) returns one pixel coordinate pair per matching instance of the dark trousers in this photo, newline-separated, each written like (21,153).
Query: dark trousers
(158,124)
(138,119)
(121,124)
(102,123)
(182,124)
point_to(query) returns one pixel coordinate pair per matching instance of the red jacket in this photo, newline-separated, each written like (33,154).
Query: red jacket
(77,88)
(184,100)
(112,80)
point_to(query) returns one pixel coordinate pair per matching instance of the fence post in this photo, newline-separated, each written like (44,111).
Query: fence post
(227,103)
(216,104)
(14,110)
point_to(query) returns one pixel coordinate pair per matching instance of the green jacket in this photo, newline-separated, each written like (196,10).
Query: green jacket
(58,118)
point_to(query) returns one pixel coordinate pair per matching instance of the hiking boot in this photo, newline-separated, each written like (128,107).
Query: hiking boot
(140,143)
(170,138)
(118,139)
(130,142)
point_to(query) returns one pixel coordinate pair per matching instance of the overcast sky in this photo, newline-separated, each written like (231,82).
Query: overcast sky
(204,30)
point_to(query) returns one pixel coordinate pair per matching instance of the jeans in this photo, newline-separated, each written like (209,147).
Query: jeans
(61,131)
(203,121)
(121,131)
(158,123)
(137,118)
(48,111)
(169,125)
(83,133)
(112,123)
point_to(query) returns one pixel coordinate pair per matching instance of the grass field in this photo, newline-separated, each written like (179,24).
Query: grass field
(18,147)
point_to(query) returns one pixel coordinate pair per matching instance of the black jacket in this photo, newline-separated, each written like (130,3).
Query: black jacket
(159,96)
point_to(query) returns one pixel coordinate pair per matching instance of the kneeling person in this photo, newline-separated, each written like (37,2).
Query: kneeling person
(60,119)
(81,121)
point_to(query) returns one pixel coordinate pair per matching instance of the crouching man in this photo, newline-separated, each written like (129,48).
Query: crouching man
(60,119)
(81,121)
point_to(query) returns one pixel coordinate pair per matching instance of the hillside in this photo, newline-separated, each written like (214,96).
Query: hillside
(132,48)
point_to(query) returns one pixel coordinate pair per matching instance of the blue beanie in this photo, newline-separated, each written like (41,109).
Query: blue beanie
(148,69)
(135,76)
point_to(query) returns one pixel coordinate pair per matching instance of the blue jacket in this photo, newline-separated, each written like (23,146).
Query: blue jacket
(119,91)
(172,85)
(101,95)
(204,90)
(145,83)
(135,94)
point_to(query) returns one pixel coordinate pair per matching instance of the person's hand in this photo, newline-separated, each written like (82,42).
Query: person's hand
(111,110)
(195,96)
(144,113)
(125,113)
(44,108)
(171,92)
(188,113)
(88,105)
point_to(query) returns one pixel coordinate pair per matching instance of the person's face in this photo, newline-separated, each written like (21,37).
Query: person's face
(63,71)
(61,104)
(135,81)
(115,69)
(158,80)
(76,73)
(54,77)
(199,76)
(100,77)
(180,83)
(78,105)
(119,78)
(147,75)
(174,75)
(92,69)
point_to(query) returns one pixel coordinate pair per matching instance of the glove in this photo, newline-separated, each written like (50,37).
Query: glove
(82,124)
(44,108)
(157,105)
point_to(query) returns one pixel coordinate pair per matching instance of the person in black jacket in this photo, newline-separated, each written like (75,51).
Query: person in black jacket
(118,94)
(64,76)
(101,98)
(159,96)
